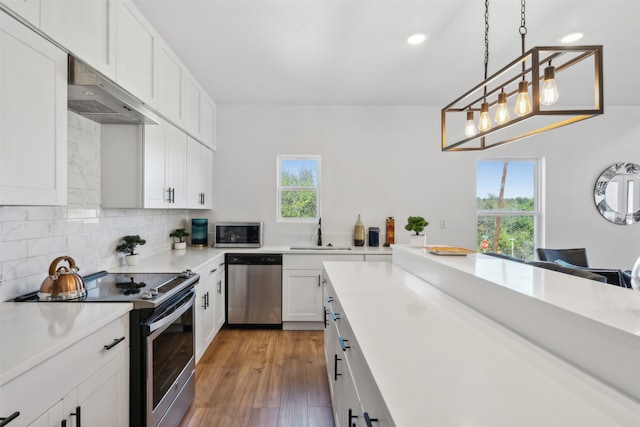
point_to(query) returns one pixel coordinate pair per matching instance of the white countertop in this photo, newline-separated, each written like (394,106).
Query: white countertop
(191,258)
(438,362)
(613,306)
(30,333)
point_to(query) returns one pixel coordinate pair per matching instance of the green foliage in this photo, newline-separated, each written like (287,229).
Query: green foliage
(416,224)
(129,244)
(299,203)
(304,178)
(518,228)
(180,234)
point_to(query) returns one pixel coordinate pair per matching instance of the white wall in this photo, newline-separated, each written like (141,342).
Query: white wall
(31,237)
(386,161)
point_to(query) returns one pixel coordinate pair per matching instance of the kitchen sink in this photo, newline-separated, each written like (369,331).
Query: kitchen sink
(320,248)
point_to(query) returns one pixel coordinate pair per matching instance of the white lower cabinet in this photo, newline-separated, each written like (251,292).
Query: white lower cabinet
(355,398)
(302,295)
(84,384)
(33,134)
(220,309)
(209,303)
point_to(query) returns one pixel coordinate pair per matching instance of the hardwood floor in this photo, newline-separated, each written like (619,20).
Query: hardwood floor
(262,378)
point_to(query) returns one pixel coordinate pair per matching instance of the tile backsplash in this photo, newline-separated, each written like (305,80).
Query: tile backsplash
(31,237)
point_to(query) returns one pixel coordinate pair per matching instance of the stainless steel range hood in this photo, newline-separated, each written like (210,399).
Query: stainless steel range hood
(97,98)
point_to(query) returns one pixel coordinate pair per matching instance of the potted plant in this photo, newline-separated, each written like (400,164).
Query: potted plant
(180,234)
(128,247)
(416,224)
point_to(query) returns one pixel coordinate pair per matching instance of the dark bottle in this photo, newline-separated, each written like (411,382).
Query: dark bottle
(374,236)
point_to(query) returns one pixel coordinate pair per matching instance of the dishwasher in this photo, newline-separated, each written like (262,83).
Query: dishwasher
(254,290)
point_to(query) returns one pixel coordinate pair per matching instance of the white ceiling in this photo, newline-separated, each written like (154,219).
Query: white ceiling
(354,52)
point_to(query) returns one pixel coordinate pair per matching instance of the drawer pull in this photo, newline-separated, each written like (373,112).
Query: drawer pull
(7,420)
(368,420)
(343,345)
(114,343)
(335,367)
(213,271)
(77,415)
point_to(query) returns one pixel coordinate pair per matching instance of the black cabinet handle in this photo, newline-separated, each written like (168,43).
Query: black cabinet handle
(329,299)
(77,415)
(351,417)
(7,420)
(173,195)
(213,271)
(368,420)
(204,301)
(325,318)
(114,343)
(63,423)
(220,287)
(335,367)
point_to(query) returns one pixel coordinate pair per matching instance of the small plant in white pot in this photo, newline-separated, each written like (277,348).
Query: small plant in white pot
(128,247)
(180,234)
(416,224)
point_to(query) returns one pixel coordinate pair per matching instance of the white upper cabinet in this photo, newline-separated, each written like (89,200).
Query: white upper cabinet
(27,9)
(33,118)
(170,71)
(191,102)
(207,121)
(199,175)
(199,112)
(145,169)
(86,28)
(136,53)
(165,151)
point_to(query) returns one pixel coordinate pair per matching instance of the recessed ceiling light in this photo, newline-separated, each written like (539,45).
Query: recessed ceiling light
(570,38)
(416,39)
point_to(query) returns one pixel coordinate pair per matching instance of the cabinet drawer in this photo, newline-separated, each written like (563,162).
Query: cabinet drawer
(314,262)
(38,389)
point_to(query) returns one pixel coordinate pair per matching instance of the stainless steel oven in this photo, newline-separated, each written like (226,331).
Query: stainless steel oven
(170,361)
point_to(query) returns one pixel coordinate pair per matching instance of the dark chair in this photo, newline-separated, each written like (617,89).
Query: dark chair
(567,270)
(614,277)
(576,256)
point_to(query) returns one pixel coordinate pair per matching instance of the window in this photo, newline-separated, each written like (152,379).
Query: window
(508,206)
(298,188)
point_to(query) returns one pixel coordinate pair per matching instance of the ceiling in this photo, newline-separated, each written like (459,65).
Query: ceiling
(354,52)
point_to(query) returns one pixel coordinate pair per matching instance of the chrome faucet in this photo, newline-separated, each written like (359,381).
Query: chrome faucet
(319,231)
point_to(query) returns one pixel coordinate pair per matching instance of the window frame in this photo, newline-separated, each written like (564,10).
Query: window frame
(538,198)
(280,188)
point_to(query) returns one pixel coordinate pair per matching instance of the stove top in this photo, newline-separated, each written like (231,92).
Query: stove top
(144,290)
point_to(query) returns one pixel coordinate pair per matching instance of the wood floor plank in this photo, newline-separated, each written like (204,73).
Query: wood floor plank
(266,378)
(264,417)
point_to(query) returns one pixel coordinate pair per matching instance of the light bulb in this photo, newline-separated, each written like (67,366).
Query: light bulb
(523,103)
(470,127)
(549,92)
(502,112)
(484,124)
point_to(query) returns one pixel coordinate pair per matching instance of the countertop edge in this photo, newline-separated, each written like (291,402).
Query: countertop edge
(123,308)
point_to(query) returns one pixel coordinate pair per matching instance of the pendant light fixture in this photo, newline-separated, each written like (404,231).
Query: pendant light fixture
(536,111)
(485,119)
(549,93)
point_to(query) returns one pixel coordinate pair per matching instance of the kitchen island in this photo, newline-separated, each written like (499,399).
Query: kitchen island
(437,361)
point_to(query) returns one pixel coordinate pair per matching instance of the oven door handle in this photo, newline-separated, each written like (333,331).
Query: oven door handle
(178,310)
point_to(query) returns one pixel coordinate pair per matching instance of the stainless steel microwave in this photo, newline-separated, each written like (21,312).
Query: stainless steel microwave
(239,234)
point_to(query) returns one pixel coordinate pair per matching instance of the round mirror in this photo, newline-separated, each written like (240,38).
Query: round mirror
(617,193)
